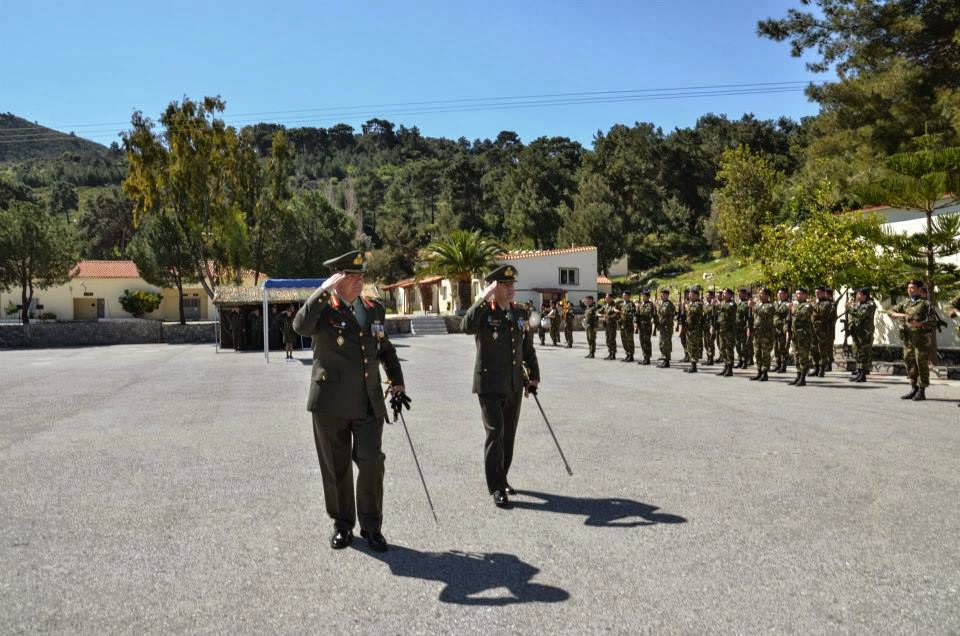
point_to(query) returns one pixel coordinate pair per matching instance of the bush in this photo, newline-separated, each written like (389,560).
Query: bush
(140,302)
(11,309)
(48,315)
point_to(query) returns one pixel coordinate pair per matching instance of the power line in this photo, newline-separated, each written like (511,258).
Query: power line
(31,135)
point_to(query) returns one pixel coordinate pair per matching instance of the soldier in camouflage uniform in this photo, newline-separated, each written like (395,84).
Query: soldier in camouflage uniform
(781,327)
(609,315)
(645,316)
(681,319)
(627,312)
(744,343)
(915,314)
(763,333)
(803,339)
(833,326)
(555,318)
(568,319)
(860,326)
(710,325)
(590,320)
(726,330)
(693,326)
(666,312)
(823,316)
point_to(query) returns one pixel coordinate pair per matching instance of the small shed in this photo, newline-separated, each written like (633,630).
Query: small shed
(241,311)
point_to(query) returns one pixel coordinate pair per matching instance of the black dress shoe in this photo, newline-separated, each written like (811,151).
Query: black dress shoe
(500,499)
(341,539)
(375,540)
(509,490)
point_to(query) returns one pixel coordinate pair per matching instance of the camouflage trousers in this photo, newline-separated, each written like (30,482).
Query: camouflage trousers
(666,341)
(916,355)
(568,334)
(643,335)
(803,343)
(824,344)
(709,342)
(763,342)
(611,333)
(863,349)
(591,338)
(626,337)
(694,343)
(555,331)
(726,339)
(744,344)
(542,333)
(780,349)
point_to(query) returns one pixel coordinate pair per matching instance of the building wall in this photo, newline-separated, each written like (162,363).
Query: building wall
(544,272)
(67,300)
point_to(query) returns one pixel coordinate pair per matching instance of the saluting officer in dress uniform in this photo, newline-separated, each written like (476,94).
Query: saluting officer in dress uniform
(504,345)
(349,344)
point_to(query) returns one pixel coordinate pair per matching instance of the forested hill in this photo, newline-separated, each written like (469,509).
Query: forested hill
(23,139)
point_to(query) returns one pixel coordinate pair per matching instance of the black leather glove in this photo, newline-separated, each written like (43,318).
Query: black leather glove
(530,388)
(397,402)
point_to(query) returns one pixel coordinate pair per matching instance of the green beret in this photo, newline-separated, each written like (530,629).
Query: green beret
(503,274)
(349,263)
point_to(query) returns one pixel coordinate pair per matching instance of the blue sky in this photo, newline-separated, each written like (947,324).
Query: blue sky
(74,65)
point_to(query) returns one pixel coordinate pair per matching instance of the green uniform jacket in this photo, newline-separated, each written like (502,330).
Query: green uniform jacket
(860,318)
(504,344)
(744,315)
(726,316)
(646,311)
(803,318)
(590,317)
(764,317)
(781,316)
(665,314)
(346,358)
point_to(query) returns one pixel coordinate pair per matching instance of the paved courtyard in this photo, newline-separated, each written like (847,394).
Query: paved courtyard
(172,488)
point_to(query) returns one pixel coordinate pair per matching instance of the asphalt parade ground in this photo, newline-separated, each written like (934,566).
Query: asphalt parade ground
(157,489)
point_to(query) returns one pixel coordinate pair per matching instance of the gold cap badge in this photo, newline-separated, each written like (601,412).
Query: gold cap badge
(508,272)
(358,260)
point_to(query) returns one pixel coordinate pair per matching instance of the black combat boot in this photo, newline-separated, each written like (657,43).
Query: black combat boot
(629,358)
(729,371)
(823,371)
(685,358)
(723,371)
(709,361)
(758,376)
(645,361)
(795,381)
(764,377)
(816,369)
(829,366)
(854,375)
(921,395)
(862,377)
(692,368)
(803,379)
(589,355)
(664,364)
(914,389)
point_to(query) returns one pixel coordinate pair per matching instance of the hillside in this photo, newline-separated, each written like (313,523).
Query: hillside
(21,139)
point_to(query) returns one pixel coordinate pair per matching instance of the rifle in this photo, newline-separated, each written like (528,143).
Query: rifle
(845,321)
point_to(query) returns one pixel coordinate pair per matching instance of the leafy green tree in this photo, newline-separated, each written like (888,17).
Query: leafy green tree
(37,251)
(841,250)
(593,221)
(462,195)
(63,198)
(271,205)
(898,68)
(106,224)
(924,182)
(311,233)
(460,256)
(748,197)
(185,173)
(162,256)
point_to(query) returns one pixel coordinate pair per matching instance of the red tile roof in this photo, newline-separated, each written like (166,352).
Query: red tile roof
(538,253)
(409,282)
(105,269)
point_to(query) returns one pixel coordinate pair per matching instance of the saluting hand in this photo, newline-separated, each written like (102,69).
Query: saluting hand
(332,282)
(487,291)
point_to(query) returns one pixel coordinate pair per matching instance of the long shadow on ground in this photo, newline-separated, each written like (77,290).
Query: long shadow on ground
(603,512)
(468,575)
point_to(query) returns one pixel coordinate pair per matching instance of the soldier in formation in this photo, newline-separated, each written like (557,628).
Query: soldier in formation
(802,327)
(666,312)
(824,315)
(860,317)
(555,316)
(591,320)
(743,342)
(693,328)
(609,315)
(710,325)
(627,311)
(781,329)
(644,317)
(763,332)
(915,328)
(727,330)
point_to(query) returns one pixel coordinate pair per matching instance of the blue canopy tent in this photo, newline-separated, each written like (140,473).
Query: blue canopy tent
(282,284)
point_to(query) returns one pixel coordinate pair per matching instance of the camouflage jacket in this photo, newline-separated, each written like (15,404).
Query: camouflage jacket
(627,313)
(803,318)
(645,313)
(665,314)
(726,315)
(917,310)
(860,317)
(590,317)
(823,315)
(764,317)
(744,314)
(781,315)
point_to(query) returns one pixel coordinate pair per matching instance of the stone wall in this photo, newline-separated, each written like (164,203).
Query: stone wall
(398,325)
(77,334)
(104,332)
(190,333)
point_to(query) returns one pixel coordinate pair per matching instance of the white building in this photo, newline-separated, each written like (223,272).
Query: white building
(541,275)
(909,222)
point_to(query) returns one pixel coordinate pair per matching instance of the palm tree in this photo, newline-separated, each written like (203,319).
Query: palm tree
(459,257)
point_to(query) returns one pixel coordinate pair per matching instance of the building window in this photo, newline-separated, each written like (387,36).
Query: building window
(569,276)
